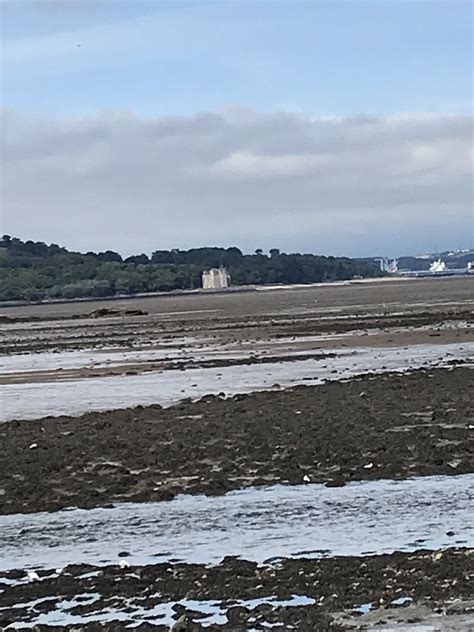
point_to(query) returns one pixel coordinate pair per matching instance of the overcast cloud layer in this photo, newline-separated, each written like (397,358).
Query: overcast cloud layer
(351,186)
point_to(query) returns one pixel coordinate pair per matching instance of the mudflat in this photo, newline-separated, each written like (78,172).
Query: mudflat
(375,426)
(392,312)
(306,415)
(338,593)
(346,297)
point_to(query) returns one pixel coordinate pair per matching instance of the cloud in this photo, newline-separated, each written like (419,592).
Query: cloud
(246,165)
(325,184)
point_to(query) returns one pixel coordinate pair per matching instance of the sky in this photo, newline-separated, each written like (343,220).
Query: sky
(334,127)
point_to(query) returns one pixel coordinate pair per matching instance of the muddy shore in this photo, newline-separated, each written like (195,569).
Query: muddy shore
(62,358)
(375,426)
(389,294)
(147,331)
(396,311)
(337,593)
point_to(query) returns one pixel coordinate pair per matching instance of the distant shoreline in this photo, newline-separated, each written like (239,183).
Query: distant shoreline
(230,290)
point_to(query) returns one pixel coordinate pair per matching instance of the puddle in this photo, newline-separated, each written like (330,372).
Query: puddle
(455,624)
(260,524)
(411,617)
(213,612)
(97,358)
(36,400)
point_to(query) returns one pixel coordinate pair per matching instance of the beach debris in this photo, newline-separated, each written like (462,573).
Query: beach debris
(401,601)
(455,463)
(306,479)
(33,446)
(104,312)
(368,466)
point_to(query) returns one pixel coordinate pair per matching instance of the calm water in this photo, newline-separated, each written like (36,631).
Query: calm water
(257,524)
(36,400)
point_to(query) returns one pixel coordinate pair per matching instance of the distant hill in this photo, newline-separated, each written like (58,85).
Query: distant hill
(33,271)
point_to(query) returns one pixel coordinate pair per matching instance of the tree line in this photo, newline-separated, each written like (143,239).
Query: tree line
(33,271)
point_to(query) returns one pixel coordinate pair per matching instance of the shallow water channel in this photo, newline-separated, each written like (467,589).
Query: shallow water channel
(34,400)
(258,524)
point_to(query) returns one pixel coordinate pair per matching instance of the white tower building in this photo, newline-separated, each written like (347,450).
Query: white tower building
(215,279)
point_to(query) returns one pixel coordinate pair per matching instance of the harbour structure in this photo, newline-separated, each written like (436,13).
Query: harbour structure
(392,267)
(434,267)
(438,266)
(215,279)
(388,266)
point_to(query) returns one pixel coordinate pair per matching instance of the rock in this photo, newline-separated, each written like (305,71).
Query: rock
(237,615)
(181,624)
(336,482)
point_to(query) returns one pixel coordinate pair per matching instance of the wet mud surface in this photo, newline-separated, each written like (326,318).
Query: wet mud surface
(371,427)
(389,308)
(344,298)
(168,364)
(149,331)
(338,593)
(375,426)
